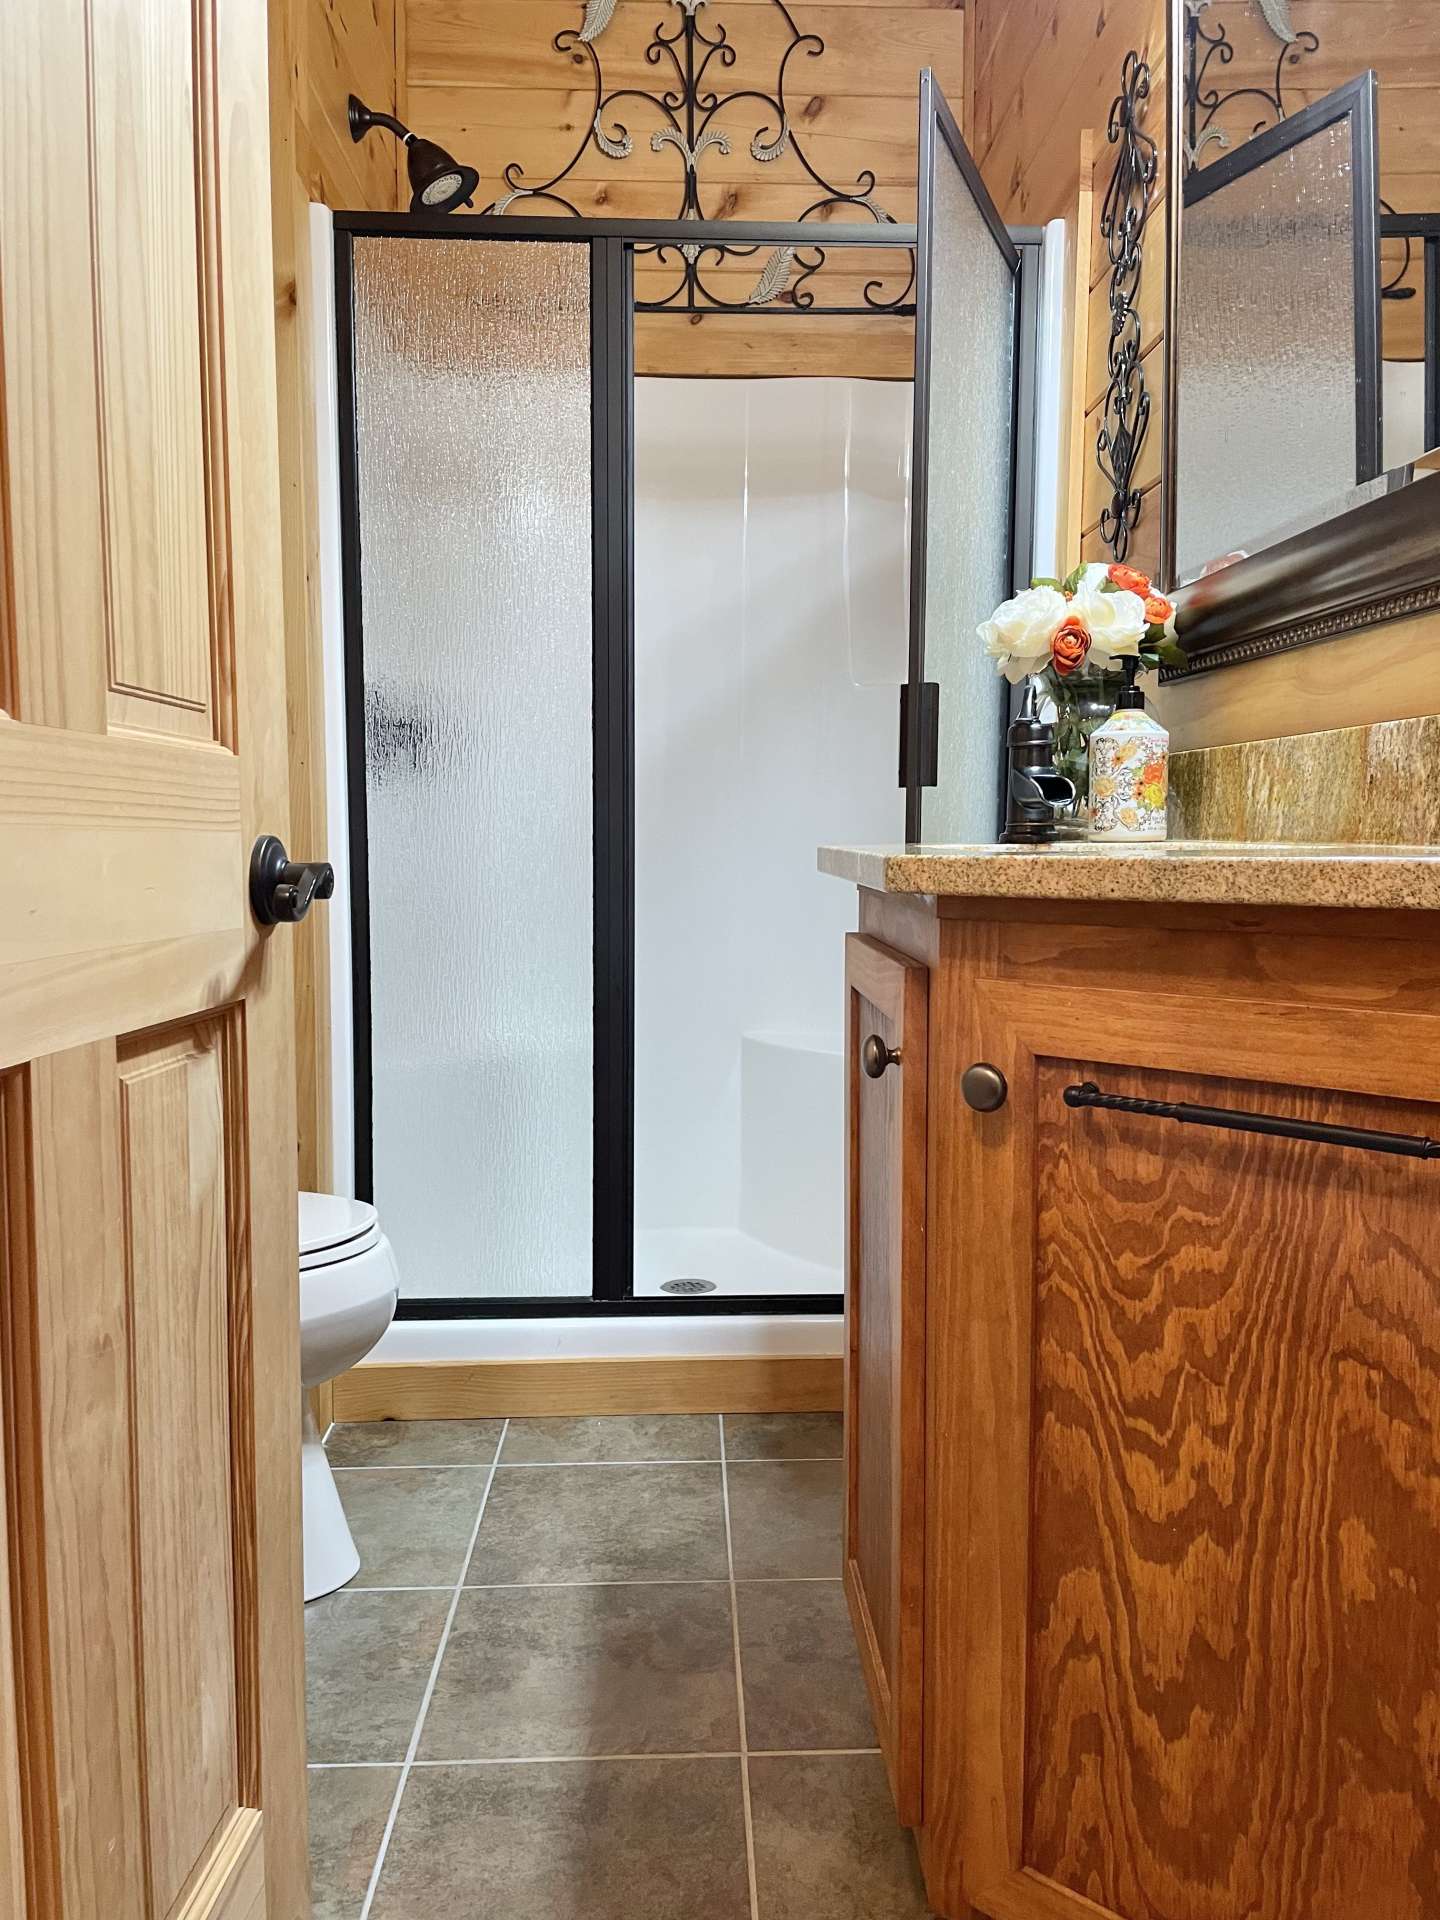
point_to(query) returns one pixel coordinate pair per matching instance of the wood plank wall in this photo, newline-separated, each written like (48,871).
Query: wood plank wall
(1046,72)
(484,79)
(320,52)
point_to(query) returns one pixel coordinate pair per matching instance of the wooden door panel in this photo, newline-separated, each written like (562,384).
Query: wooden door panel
(50,400)
(172,1180)
(885,1357)
(12,1844)
(131,1490)
(149,131)
(148,1313)
(1204,1580)
(1235,1556)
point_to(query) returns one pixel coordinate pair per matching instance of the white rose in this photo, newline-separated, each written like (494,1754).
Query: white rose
(1017,635)
(1116,620)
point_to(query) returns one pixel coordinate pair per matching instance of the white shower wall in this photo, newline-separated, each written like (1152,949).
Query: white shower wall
(771,638)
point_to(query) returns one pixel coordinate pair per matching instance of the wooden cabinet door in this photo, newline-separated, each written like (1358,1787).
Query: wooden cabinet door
(151,1679)
(1204,1660)
(885,1347)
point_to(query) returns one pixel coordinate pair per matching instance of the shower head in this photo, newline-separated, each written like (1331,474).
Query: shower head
(438,181)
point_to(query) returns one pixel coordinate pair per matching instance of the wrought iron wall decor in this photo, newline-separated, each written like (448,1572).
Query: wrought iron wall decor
(1203,49)
(696,117)
(1126,418)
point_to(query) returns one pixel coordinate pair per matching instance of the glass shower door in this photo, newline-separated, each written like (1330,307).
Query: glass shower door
(968,551)
(470,669)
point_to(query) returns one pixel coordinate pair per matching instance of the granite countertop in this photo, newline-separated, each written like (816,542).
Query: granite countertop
(1204,872)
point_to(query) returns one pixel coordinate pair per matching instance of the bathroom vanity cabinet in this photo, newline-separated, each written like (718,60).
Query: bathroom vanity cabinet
(1143,1417)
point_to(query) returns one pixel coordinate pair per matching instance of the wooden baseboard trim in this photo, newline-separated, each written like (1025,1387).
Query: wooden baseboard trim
(497,1389)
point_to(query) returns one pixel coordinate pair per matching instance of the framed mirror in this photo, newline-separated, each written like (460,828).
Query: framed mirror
(1302,424)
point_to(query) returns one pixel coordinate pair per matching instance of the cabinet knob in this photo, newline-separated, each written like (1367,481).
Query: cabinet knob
(875,1056)
(984,1087)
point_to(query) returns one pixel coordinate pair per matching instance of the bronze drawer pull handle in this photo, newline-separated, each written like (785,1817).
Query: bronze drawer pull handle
(1415,1145)
(875,1056)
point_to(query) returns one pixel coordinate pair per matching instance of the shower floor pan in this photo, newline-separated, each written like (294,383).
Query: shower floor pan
(736,1263)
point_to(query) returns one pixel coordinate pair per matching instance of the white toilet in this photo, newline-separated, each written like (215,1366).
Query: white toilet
(349,1284)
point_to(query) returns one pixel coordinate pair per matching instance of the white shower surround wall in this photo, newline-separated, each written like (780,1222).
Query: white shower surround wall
(771,635)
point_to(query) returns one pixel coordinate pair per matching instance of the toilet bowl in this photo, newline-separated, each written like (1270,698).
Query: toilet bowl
(349,1284)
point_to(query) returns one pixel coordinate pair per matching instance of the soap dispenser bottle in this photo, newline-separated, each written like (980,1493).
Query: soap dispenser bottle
(1129,770)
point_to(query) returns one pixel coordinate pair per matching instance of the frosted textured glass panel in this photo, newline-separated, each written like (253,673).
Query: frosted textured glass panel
(473,404)
(967,566)
(1265,352)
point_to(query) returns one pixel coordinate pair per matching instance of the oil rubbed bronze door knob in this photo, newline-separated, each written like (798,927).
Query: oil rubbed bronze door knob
(282,889)
(875,1056)
(984,1087)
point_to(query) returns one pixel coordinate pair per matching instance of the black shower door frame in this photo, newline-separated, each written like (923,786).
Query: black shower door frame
(612,245)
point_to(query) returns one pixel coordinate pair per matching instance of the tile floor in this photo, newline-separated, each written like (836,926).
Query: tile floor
(596,1668)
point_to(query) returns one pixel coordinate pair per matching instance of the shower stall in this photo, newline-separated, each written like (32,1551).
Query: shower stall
(618,654)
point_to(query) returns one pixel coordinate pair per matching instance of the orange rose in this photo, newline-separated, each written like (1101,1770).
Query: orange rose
(1070,646)
(1128,578)
(1157,609)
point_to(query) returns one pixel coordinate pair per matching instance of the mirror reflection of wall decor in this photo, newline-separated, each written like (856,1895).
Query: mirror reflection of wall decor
(1277,336)
(1302,401)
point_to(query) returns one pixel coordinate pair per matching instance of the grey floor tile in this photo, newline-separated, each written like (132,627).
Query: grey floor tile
(581,1840)
(414,1443)
(803,1686)
(348,1810)
(645,1436)
(577,1670)
(827,1843)
(785,1519)
(601,1523)
(783,1436)
(412,1525)
(367,1658)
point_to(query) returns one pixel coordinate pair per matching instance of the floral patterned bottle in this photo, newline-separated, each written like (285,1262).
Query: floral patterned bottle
(1129,771)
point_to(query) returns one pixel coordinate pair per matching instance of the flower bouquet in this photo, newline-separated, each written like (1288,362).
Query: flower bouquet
(1073,635)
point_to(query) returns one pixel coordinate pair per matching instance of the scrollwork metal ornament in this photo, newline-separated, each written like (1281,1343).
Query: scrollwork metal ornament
(1206,49)
(1126,419)
(690,57)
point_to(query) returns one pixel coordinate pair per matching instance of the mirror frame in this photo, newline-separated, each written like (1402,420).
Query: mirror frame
(1372,563)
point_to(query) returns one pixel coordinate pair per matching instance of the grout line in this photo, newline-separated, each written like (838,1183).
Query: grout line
(739,1684)
(324,1438)
(577,1759)
(661,1580)
(429,1692)
(569,1759)
(352,1766)
(483,1466)
(422,1466)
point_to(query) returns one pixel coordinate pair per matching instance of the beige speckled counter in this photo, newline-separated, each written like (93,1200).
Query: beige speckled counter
(1203,872)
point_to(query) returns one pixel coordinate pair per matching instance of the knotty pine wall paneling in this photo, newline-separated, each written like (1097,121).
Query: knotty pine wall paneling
(321,51)
(1045,75)
(484,79)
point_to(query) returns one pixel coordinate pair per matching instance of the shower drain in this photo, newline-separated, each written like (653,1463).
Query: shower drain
(687,1286)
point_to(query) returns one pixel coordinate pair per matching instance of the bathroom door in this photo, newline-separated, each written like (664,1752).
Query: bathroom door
(969,546)
(151,1680)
